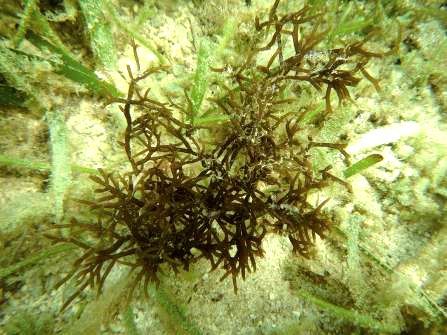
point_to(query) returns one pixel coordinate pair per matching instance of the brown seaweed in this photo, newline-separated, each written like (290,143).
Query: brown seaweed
(184,199)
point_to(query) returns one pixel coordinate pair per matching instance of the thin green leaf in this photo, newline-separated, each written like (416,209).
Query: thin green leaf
(359,319)
(101,38)
(200,83)
(129,321)
(74,70)
(30,7)
(362,165)
(174,316)
(42,256)
(42,166)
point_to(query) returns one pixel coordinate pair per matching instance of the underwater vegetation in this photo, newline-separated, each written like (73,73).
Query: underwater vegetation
(185,199)
(207,168)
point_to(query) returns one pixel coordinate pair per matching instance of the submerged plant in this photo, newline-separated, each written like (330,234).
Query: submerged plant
(185,198)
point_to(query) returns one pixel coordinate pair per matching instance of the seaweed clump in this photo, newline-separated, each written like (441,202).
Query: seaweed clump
(185,199)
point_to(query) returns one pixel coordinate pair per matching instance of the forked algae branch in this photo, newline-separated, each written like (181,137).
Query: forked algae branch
(194,191)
